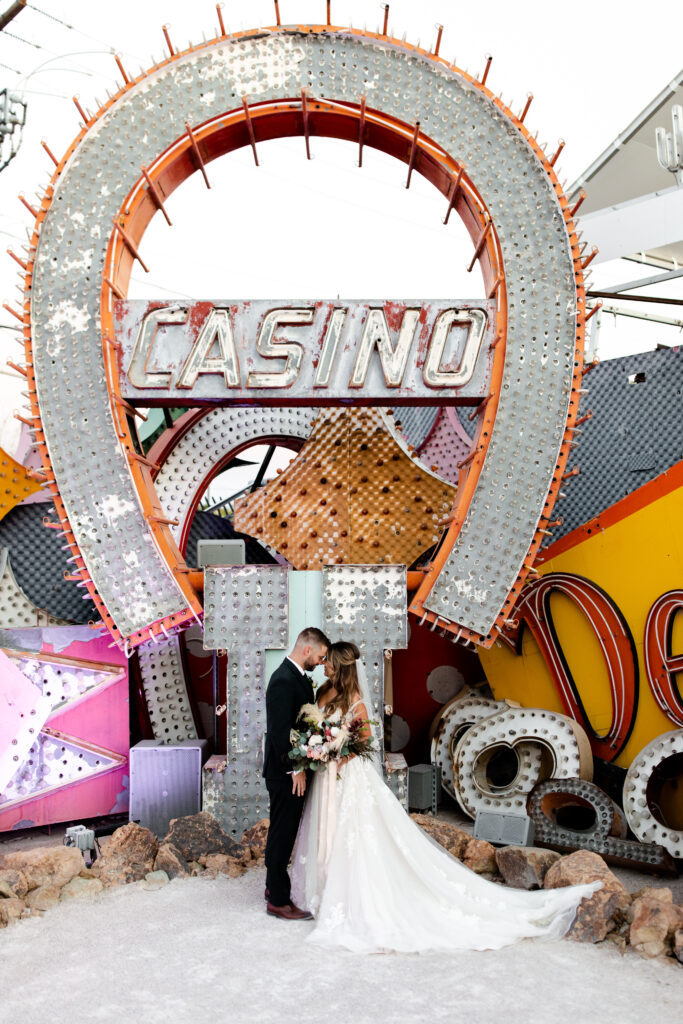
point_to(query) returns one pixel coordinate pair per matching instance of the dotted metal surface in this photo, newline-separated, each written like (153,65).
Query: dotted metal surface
(16,611)
(450,725)
(241,601)
(245,611)
(23,712)
(98,492)
(353,494)
(234,794)
(39,560)
(163,679)
(446,446)
(54,761)
(609,818)
(63,683)
(189,464)
(546,744)
(415,422)
(606,836)
(367,604)
(634,434)
(639,811)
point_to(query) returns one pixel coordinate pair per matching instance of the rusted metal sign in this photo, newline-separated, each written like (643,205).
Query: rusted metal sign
(305,352)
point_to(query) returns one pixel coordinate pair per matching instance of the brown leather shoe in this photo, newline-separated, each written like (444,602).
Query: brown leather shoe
(289,912)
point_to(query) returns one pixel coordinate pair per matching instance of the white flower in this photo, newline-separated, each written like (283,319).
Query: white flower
(312,711)
(314,741)
(334,730)
(340,739)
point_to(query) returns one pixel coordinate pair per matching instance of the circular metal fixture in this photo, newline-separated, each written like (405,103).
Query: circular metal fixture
(638,803)
(546,745)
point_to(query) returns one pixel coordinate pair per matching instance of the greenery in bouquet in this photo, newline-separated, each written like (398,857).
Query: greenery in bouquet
(321,740)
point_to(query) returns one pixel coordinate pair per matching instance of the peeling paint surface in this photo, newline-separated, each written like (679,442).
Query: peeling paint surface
(541,316)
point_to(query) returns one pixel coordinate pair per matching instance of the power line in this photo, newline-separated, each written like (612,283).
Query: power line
(72,28)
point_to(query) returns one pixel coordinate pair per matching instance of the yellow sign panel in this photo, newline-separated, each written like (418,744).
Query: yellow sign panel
(598,635)
(16,483)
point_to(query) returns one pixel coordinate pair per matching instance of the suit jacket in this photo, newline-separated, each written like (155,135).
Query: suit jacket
(287,690)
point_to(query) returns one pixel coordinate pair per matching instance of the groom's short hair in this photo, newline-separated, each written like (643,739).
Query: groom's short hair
(312,635)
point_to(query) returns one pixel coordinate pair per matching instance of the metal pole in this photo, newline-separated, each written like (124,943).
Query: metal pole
(258,479)
(10,14)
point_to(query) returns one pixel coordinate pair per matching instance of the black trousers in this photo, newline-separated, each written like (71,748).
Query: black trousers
(285,815)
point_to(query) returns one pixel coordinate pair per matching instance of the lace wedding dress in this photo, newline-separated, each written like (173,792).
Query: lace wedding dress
(375,881)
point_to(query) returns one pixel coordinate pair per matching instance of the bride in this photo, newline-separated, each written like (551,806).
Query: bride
(375,881)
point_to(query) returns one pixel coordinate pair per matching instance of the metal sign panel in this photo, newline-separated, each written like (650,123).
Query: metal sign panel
(309,351)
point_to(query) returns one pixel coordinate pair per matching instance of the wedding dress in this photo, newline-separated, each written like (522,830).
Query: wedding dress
(375,881)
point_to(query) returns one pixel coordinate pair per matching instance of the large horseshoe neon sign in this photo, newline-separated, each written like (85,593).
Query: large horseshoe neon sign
(174,120)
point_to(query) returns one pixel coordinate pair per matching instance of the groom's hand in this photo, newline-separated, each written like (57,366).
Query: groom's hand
(299,783)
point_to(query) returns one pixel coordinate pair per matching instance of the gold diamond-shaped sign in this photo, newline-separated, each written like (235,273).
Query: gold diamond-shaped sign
(354,494)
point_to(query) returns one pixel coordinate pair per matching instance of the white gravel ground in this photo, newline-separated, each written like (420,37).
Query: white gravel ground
(204,951)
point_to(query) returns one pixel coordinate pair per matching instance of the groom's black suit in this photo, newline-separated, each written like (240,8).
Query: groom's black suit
(287,690)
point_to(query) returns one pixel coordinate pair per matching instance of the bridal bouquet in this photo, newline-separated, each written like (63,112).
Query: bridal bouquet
(321,740)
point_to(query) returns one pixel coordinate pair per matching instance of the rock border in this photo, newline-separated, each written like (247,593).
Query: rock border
(32,881)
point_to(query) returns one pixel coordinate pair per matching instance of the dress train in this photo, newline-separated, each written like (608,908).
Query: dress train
(375,881)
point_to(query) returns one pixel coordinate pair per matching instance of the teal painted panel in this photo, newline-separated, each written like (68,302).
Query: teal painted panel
(305,609)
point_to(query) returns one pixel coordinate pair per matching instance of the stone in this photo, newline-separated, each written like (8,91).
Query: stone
(128,856)
(599,914)
(16,880)
(678,945)
(171,860)
(6,891)
(81,888)
(650,892)
(155,879)
(619,940)
(255,838)
(221,863)
(199,834)
(449,836)
(195,867)
(655,920)
(44,897)
(11,910)
(579,868)
(480,857)
(525,867)
(46,865)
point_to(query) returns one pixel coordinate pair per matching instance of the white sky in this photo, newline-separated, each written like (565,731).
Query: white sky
(295,229)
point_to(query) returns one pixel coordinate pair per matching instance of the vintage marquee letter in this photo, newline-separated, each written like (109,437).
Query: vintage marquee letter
(328,354)
(616,644)
(432,374)
(137,373)
(660,664)
(268,347)
(393,360)
(216,328)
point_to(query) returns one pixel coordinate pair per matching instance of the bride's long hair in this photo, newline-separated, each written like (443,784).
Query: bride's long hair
(342,657)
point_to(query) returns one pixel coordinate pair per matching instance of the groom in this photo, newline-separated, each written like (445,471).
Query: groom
(288,689)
